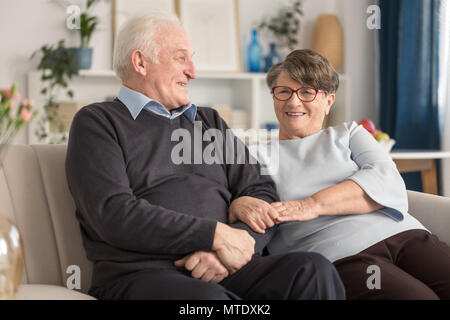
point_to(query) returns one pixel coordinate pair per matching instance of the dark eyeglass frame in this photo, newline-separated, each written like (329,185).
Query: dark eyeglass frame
(296,92)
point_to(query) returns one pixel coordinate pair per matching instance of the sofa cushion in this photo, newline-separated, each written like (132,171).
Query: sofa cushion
(62,211)
(22,179)
(35,196)
(49,292)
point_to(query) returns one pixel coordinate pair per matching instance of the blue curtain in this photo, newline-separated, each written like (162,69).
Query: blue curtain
(409,48)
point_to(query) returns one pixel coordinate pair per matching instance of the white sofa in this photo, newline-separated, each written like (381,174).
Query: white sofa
(34,194)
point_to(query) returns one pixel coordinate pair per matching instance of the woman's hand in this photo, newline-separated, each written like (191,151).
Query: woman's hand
(346,197)
(300,210)
(256,213)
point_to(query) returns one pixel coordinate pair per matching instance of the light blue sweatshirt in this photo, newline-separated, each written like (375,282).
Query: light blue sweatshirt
(331,156)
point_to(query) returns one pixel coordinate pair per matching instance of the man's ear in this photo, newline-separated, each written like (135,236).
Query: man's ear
(138,62)
(330,100)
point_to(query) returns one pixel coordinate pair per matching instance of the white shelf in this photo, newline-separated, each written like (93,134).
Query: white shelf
(200,75)
(97,73)
(239,90)
(418,155)
(231,75)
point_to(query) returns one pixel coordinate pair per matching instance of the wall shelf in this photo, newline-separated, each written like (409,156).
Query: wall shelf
(243,91)
(200,75)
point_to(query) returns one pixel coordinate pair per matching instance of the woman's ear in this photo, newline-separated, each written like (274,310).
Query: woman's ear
(138,62)
(330,100)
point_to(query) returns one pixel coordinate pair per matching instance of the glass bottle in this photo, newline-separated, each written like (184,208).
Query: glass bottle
(11,259)
(254,53)
(272,58)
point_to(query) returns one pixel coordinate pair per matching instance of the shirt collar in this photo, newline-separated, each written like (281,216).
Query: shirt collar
(136,101)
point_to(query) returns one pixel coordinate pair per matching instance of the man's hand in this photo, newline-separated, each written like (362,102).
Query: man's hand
(300,210)
(204,265)
(234,247)
(256,213)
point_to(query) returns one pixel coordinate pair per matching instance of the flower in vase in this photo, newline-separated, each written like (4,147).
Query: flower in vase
(13,119)
(26,115)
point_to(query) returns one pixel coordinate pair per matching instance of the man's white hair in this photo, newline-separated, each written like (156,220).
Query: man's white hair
(139,33)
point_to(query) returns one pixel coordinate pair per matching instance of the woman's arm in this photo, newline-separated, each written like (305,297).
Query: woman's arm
(344,198)
(377,184)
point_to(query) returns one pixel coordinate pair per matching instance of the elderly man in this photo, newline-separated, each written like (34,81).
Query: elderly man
(155,229)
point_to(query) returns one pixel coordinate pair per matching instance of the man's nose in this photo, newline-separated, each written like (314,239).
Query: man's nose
(190,70)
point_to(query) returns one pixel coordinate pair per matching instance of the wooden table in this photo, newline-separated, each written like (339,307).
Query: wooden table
(423,161)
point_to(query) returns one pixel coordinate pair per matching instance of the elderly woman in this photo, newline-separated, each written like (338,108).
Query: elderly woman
(342,195)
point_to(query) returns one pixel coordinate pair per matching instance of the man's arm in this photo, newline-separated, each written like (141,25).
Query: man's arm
(232,249)
(246,180)
(98,181)
(256,216)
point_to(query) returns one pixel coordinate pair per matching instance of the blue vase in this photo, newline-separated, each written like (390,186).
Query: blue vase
(272,58)
(254,53)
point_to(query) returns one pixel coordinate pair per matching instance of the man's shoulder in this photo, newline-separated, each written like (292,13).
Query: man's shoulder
(101,109)
(210,117)
(105,106)
(207,112)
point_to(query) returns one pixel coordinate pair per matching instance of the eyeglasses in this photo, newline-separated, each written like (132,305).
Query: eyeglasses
(305,94)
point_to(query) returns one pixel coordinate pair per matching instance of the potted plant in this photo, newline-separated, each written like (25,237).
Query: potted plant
(58,66)
(285,25)
(88,22)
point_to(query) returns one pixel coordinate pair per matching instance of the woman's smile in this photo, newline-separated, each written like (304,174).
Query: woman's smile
(295,115)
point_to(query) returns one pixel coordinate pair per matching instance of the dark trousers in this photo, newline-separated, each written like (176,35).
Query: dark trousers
(412,265)
(289,276)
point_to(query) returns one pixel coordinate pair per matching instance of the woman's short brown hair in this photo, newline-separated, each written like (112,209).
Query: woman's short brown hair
(308,68)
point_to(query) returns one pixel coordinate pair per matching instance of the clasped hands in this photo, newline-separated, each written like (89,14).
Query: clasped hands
(233,248)
(260,217)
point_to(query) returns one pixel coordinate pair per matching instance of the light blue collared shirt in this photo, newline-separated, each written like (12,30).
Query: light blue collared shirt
(136,101)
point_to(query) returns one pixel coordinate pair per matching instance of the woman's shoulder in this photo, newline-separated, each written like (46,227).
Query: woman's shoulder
(344,129)
(347,126)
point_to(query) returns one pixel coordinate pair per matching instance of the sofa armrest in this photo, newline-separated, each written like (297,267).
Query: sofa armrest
(432,211)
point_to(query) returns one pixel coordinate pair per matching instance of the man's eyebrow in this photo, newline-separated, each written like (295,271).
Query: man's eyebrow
(184,51)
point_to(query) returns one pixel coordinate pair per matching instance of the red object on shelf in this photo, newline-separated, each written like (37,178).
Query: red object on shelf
(368,125)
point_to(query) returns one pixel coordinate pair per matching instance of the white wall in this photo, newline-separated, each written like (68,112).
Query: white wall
(253,11)
(360,58)
(445,144)
(26,25)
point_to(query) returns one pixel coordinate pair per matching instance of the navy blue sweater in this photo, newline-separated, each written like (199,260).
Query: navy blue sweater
(137,209)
